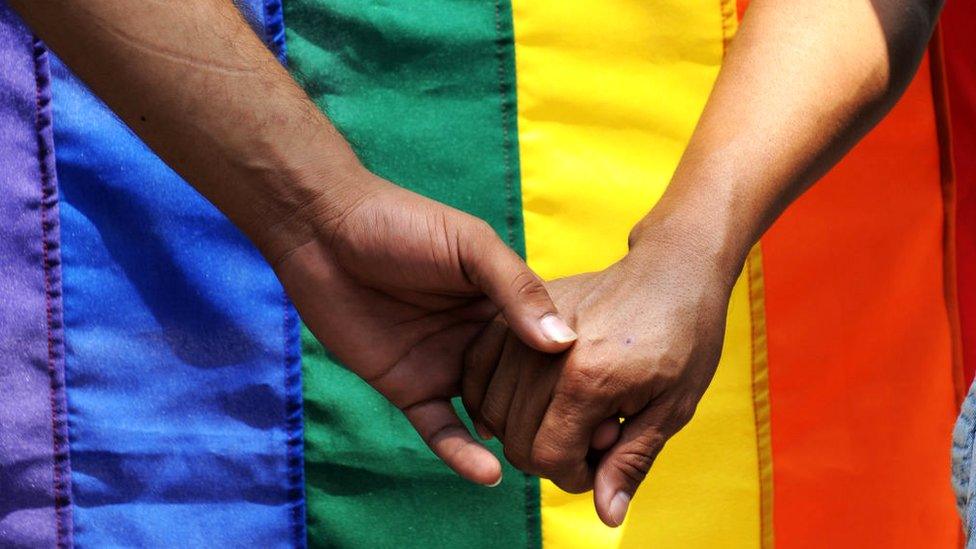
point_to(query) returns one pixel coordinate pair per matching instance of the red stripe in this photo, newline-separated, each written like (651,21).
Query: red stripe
(860,357)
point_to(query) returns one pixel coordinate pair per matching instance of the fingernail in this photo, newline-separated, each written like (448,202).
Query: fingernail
(618,507)
(496,483)
(557,330)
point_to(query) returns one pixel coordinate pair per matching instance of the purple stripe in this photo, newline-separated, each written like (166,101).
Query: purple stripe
(50,224)
(34,469)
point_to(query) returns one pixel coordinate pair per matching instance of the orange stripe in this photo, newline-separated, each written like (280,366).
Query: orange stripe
(861,370)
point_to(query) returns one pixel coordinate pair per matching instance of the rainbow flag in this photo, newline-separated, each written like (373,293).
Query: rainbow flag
(157,389)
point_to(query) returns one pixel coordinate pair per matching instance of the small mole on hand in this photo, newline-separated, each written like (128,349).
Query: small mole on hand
(629,341)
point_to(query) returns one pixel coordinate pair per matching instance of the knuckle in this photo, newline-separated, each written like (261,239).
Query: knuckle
(667,369)
(517,459)
(634,465)
(588,381)
(547,460)
(479,233)
(682,414)
(527,286)
(557,466)
(572,485)
(482,227)
(492,417)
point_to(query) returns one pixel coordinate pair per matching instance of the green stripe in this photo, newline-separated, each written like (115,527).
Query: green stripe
(425,92)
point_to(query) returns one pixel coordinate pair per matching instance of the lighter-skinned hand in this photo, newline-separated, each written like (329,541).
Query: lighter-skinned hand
(650,335)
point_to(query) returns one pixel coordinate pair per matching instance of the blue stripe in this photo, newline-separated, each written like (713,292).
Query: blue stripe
(274,36)
(182,364)
(274,25)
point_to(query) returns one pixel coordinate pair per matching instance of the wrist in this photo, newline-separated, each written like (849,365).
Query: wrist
(695,238)
(303,194)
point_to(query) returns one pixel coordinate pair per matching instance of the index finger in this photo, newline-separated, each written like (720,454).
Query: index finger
(563,441)
(441,428)
(480,361)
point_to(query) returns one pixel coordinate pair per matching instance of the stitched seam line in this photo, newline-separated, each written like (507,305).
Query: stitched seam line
(947,177)
(274,37)
(752,365)
(509,174)
(50,337)
(294,419)
(760,394)
(62,497)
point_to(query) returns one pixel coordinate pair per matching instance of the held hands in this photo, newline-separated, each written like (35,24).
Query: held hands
(425,303)
(650,334)
(397,286)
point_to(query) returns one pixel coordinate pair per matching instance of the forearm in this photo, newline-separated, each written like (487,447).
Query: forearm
(801,84)
(198,86)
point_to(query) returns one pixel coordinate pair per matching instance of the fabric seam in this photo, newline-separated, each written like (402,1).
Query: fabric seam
(947,178)
(60,457)
(943,120)
(274,30)
(294,420)
(760,394)
(509,171)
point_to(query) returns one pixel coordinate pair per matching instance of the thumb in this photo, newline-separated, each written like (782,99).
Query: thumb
(519,293)
(625,465)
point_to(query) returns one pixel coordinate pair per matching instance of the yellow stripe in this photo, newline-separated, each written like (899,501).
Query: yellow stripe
(760,395)
(608,94)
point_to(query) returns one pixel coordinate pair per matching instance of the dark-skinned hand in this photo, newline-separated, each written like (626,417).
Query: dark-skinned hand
(397,286)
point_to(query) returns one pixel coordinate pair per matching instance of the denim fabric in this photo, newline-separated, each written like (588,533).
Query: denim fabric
(962,465)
